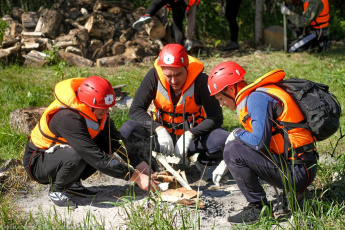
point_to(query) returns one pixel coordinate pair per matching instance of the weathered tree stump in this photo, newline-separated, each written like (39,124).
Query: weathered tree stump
(24,120)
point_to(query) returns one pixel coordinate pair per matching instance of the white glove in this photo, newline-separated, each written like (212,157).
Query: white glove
(179,144)
(165,142)
(285,10)
(219,172)
(231,137)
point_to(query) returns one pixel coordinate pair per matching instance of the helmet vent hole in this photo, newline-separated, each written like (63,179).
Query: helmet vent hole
(94,101)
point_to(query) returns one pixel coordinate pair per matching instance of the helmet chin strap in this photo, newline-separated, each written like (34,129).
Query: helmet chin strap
(228,96)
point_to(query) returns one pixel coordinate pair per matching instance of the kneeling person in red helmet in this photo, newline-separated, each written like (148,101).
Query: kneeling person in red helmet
(177,81)
(71,141)
(258,151)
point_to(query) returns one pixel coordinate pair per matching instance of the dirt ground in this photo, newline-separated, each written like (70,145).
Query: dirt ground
(220,202)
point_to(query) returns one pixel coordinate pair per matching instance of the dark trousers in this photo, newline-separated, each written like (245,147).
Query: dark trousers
(210,147)
(178,10)
(247,166)
(61,168)
(231,10)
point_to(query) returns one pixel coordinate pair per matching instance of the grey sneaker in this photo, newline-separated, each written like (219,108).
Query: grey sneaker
(249,214)
(142,20)
(78,189)
(231,46)
(60,199)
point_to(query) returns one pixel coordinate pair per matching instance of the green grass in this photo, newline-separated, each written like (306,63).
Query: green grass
(31,87)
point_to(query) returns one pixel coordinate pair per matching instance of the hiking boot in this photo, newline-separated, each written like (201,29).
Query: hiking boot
(78,189)
(231,46)
(61,199)
(142,20)
(249,214)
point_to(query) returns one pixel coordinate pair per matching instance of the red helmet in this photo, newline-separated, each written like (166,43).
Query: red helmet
(173,55)
(223,75)
(96,92)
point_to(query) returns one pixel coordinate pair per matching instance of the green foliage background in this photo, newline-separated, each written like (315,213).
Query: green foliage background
(211,22)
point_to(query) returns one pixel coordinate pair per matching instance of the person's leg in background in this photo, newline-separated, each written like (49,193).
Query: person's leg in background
(191,17)
(231,11)
(178,10)
(151,10)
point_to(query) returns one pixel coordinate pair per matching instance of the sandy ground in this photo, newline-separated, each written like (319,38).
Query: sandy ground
(220,202)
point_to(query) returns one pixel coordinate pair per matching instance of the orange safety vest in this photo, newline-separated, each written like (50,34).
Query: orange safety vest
(322,20)
(65,94)
(297,137)
(190,4)
(170,115)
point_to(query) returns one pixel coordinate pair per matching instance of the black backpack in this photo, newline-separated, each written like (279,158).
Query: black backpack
(320,107)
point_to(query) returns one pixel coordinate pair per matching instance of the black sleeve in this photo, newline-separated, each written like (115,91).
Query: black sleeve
(144,96)
(211,106)
(102,140)
(72,126)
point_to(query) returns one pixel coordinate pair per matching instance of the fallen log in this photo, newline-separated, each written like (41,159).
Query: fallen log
(118,48)
(110,61)
(51,20)
(6,52)
(155,28)
(31,34)
(104,5)
(99,27)
(16,29)
(16,14)
(74,60)
(35,59)
(8,41)
(29,20)
(99,52)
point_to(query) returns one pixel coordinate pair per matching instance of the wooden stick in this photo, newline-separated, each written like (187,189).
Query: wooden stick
(164,162)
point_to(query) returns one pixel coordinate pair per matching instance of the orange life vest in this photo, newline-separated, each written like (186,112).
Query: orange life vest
(297,137)
(322,20)
(170,115)
(65,94)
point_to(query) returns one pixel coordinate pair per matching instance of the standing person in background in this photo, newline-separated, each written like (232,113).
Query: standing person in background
(258,151)
(232,8)
(71,142)
(311,27)
(179,8)
(175,80)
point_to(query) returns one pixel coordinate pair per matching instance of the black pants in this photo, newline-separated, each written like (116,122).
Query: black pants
(247,166)
(178,10)
(210,147)
(61,168)
(231,10)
